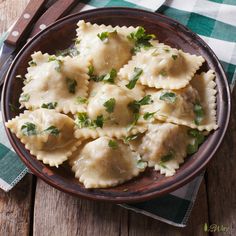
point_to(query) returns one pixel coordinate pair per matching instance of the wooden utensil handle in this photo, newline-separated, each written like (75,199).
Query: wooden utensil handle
(55,12)
(23,23)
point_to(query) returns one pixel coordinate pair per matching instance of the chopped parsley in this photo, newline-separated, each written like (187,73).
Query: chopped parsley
(99,121)
(50,105)
(163,73)
(83,121)
(71,85)
(52,130)
(103,36)
(174,57)
(110,105)
(169,97)
(141,39)
(32,63)
(134,78)
(135,105)
(166,49)
(198,140)
(28,129)
(134,122)
(24,97)
(169,156)
(108,78)
(59,62)
(71,51)
(148,115)
(112,144)
(81,100)
(132,137)
(199,113)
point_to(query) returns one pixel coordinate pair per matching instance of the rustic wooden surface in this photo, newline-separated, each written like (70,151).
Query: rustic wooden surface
(34,208)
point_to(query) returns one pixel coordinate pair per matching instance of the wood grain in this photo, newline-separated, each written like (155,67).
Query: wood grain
(221,180)
(15,209)
(57,213)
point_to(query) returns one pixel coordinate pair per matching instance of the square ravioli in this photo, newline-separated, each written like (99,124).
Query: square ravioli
(163,67)
(61,81)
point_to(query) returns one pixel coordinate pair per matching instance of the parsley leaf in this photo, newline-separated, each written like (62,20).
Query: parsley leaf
(198,140)
(163,73)
(135,105)
(28,129)
(71,51)
(108,78)
(50,105)
(59,62)
(71,85)
(134,78)
(24,97)
(169,156)
(148,115)
(52,130)
(103,36)
(110,105)
(174,57)
(134,122)
(32,63)
(99,121)
(169,97)
(141,39)
(81,100)
(112,144)
(132,137)
(199,113)
(82,120)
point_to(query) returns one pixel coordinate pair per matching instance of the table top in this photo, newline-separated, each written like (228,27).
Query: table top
(35,208)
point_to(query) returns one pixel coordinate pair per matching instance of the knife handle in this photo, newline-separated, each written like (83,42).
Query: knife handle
(55,12)
(24,22)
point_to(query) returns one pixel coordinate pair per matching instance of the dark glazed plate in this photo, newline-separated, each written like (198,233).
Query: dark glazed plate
(150,184)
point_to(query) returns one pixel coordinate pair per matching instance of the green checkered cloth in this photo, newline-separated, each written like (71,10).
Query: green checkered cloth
(215,22)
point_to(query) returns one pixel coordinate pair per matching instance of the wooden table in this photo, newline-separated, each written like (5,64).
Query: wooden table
(34,208)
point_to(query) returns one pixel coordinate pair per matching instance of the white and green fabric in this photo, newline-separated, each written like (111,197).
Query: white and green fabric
(215,22)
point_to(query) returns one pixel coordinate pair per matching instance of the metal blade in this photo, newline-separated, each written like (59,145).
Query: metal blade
(6,58)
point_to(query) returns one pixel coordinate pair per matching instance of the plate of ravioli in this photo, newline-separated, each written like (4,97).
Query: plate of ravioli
(116,104)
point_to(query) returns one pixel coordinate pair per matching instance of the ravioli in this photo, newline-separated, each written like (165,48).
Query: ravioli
(47,134)
(108,106)
(105,162)
(193,106)
(106,47)
(163,67)
(58,80)
(163,146)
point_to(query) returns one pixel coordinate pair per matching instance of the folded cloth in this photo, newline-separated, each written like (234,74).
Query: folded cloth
(215,23)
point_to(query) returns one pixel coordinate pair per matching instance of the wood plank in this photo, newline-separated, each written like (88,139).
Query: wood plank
(221,179)
(15,209)
(143,225)
(57,213)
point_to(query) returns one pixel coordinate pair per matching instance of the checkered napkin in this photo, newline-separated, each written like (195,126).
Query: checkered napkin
(215,22)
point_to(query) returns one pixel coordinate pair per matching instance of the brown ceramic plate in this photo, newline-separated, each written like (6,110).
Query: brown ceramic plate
(150,184)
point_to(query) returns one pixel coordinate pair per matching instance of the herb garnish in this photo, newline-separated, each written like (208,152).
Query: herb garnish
(32,63)
(103,36)
(59,62)
(163,73)
(174,57)
(83,121)
(134,122)
(24,97)
(71,51)
(28,129)
(199,113)
(169,156)
(112,144)
(50,105)
(134,78)
(169,97)
(132,137)
(198,140)
(71,85)
(108,78)
(135,105)
(110,105)
(81,100)
(52,130)
(141,39)
(148,115)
